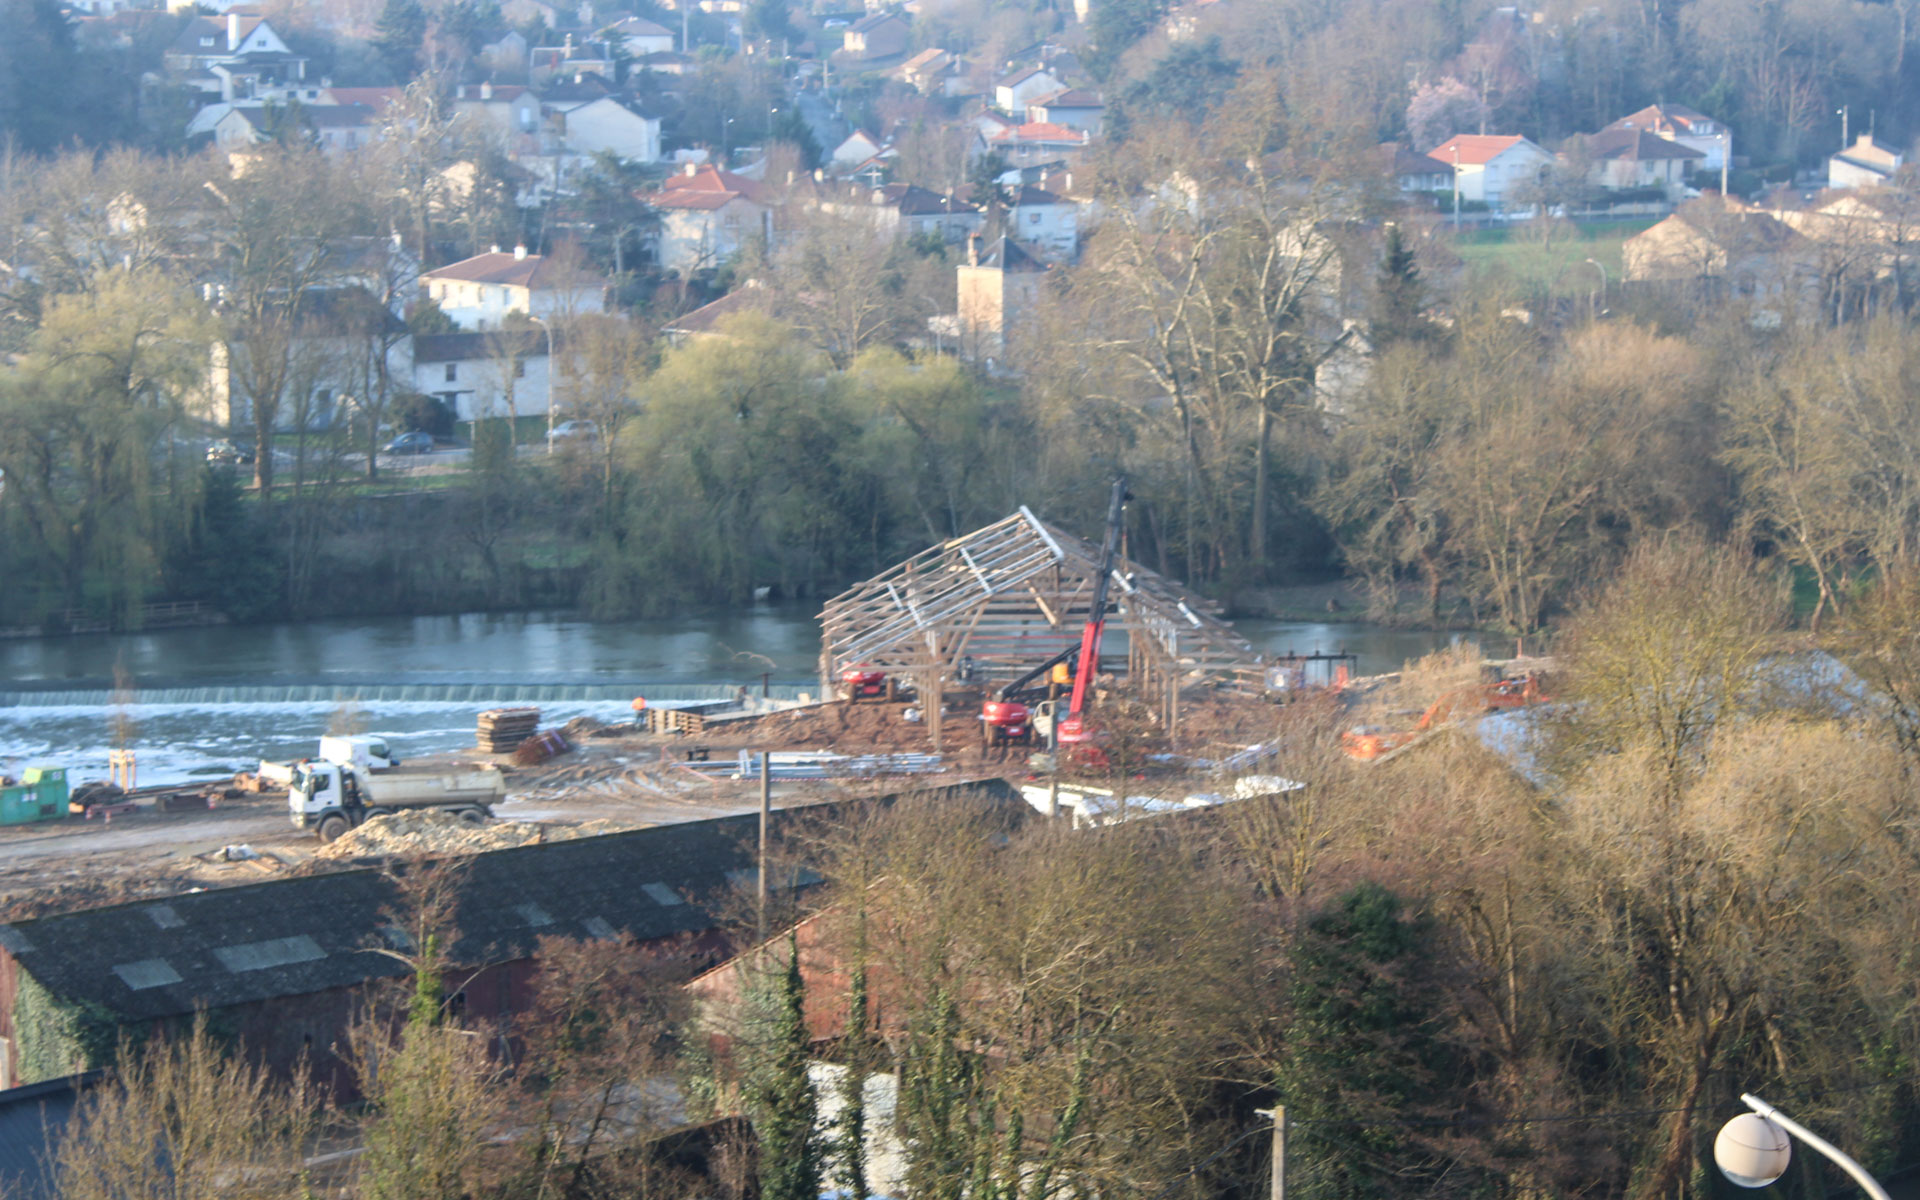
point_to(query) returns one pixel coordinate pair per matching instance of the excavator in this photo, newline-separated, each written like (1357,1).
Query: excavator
(1008,717)
(1366,745)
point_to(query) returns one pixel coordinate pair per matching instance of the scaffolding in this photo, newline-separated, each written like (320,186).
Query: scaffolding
(989,606)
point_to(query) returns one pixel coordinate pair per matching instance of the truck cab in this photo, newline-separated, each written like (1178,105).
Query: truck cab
(367,752)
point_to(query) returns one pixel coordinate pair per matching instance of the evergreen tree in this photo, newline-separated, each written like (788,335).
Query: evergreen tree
(1364,1046)
(38,65)
(779,1094)
(1399,296)
(854,1046)
(398,37)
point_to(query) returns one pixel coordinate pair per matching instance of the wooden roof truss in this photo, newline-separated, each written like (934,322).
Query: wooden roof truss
(992,604)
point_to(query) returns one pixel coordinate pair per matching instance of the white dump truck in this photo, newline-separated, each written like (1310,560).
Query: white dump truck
(333,797)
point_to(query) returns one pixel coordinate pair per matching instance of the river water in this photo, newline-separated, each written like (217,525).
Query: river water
(206,702)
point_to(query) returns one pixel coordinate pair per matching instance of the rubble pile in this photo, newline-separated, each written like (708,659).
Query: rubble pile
(407,834)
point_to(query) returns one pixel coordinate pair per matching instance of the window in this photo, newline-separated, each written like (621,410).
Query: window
(453,372)
(1033,218)
(206,41)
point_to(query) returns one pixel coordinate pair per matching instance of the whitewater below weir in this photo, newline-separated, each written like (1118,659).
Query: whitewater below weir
(205,703)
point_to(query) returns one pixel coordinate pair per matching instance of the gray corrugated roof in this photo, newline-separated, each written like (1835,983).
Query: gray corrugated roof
(297,936)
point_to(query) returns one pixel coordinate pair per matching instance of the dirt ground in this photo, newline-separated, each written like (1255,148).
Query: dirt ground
(614,778)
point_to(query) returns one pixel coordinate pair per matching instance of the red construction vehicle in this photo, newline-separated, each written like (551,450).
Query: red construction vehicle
(1084,659)
(863,682)
(1459,704)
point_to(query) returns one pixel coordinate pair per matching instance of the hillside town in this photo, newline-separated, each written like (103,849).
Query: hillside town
(958,599)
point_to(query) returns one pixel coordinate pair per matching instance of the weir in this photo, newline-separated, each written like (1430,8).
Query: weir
(423,693)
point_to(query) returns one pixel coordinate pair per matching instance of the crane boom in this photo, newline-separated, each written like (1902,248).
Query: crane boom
(1097,613)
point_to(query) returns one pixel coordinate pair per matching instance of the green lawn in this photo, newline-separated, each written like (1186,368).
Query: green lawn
(1559,265)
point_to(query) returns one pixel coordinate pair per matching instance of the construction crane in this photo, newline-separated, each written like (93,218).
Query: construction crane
(1008,718)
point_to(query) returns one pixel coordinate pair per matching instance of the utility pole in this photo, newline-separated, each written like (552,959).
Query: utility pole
(1844,143)
(766,812)
(1456,185)
(1278,1190)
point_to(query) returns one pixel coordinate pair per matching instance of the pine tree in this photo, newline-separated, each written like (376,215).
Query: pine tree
(852,1141)
(1399,296)
(779,1095)
(398,37)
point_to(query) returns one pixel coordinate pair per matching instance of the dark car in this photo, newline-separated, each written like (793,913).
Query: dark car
(411,443)
(226,450)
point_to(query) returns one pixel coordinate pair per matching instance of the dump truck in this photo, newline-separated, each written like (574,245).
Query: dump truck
(332,797)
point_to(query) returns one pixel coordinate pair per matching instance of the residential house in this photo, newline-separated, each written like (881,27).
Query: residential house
(856,148)
(709,320)
(668,62)
(874,38)
(236,57)
(928,72)
(504,372)
(508,55)
(1866,163)
(706,215)
(1412,171)
(339,337)
(335,128)
(1012,94)
(286,964)
(999,291)
(1720,239)
(589,58)
(477,293)
(1490,167)
(513,112)
(1034,143)
(1043,219)
(1678,123)
(588,121)
(639,36)
(907,210)
(1069,108)
(1633,158)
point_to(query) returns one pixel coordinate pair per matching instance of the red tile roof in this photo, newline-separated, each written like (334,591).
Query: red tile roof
(1040,131)
(1476,149)
(706,187)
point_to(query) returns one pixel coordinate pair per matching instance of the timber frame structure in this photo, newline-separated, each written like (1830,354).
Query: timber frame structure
(993,604)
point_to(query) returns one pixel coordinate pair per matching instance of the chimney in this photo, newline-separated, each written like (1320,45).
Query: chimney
(692,169)
(494,249)
(486,90)
(973,249)
(520,253)
(233,31)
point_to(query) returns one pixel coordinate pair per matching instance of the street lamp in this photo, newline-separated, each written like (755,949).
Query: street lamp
(1753,1151)
(541,322)
(1593,301)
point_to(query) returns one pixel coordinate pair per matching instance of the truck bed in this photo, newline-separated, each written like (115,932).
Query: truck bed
(427,787)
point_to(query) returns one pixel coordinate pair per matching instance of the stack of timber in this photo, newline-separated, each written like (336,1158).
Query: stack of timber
(503,729)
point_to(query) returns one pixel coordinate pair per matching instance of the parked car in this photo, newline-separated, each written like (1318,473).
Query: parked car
(567,431)
(226,450)
(411,443)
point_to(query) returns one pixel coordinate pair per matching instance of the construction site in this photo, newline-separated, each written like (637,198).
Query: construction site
(1019,652)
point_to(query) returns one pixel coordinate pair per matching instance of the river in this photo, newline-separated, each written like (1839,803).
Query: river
(206,702)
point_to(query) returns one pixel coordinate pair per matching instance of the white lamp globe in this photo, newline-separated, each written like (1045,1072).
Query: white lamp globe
(1752,1151)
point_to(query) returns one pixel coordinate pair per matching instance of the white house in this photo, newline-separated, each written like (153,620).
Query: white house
(480,375)
(1050,222)
(1634,158)
(340,336)
(1413,171)
(590,125)
(1035,143)
(856,148)
(907,210)
(511,110)
(639,36)
(1678,123)
(706,215)
(1016,91)
(235,57)
(1866,163)
(1490,166)
(1070,108)
(477,293)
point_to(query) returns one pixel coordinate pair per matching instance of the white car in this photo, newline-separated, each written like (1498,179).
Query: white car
(568,431)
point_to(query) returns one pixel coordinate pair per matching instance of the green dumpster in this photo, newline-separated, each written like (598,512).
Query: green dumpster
(41,795)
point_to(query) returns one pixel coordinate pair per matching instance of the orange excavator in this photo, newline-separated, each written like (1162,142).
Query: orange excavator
(1458,704)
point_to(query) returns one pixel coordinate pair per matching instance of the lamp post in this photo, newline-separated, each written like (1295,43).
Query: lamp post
(1593,302)
(542,323)
(1456,185)
(1753,1151)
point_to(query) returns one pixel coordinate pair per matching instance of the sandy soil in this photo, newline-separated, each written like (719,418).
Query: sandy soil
(628,780)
